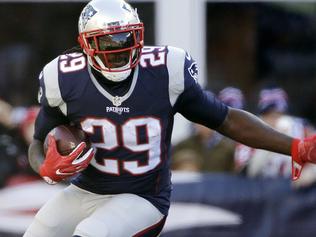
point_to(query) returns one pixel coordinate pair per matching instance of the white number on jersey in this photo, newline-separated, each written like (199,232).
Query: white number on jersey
(72,62)
(153,58)
(130,140)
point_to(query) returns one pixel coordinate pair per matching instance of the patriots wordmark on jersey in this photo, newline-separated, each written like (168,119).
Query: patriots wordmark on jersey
(130,127)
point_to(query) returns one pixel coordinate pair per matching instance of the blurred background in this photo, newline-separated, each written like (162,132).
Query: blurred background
(262,52)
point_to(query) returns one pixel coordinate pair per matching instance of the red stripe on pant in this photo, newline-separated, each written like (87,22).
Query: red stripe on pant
(152,231)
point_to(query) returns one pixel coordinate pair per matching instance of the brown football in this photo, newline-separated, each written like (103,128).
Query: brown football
(67,138)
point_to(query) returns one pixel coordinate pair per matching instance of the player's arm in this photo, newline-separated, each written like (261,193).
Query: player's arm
(47,119)
(54,167)
(36,154)
(202,107)
(248,129)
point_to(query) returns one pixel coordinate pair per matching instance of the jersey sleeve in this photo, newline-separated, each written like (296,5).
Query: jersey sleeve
(52,112)
(47,119)
(201,107)
(186,95)
(49,93)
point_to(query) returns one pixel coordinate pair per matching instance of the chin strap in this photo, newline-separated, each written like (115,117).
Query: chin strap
(112,76)
(116,76)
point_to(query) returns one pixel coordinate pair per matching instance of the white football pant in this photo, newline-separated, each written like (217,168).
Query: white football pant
(75,211)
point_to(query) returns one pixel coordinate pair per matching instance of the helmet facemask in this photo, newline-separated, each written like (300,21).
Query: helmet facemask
(113,51)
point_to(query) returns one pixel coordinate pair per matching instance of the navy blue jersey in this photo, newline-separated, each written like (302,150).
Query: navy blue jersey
(131,131)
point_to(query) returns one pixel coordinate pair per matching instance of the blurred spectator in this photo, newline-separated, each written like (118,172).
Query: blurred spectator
(16,131)
(5,114)
(232,97)
(26,126)
(11,117)
(273,109)
(212,152)
(187,160)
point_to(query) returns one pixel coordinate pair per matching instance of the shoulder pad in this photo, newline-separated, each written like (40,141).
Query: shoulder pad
(175,65)
(49,83)
(175,60)
(57,80)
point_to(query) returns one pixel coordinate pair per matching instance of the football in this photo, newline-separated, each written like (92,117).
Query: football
(67,138)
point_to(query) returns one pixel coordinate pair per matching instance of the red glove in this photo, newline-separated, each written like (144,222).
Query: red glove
(302,151)
(56,167)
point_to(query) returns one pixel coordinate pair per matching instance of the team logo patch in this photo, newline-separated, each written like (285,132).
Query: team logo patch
(193,70)
(86,15)
(118,110)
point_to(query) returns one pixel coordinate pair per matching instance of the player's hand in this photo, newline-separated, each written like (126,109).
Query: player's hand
(303,151)
(56,167)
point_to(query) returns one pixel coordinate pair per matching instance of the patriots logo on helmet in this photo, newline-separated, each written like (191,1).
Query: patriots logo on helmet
(193,70)
(86,15)
(126,7)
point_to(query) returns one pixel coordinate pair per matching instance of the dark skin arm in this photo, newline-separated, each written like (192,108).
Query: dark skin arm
(36,154)
(248,129)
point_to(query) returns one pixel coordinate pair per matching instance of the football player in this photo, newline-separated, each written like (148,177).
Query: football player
(124,96)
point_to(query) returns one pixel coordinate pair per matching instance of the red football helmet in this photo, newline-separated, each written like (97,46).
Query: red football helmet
(112,36)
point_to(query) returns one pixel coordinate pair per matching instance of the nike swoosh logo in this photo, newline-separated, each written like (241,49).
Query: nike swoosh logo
(58,172)
(83,158)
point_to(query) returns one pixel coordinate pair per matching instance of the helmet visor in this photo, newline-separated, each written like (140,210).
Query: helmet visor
(115,41)
(114,50)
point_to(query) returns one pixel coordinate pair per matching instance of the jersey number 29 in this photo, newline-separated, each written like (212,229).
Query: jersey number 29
(129,135)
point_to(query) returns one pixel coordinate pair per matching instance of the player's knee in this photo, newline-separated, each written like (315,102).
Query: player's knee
(91,228)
